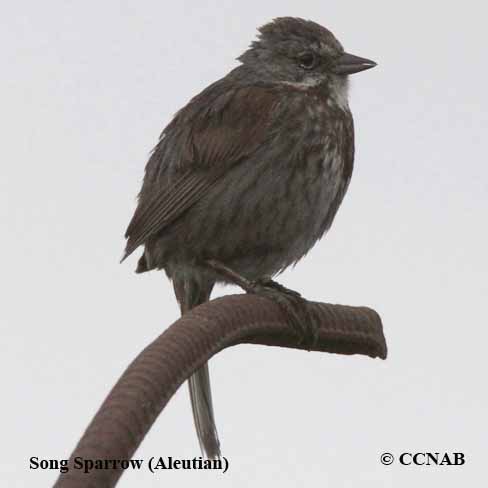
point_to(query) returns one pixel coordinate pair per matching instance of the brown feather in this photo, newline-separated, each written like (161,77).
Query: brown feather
(213,140)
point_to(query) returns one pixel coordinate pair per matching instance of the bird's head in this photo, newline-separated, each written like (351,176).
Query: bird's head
(301,52)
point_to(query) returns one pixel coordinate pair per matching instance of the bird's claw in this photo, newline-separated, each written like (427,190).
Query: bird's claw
(294,306)
(291,302)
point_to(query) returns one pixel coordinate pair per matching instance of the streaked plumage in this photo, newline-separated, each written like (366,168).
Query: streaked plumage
(250,172)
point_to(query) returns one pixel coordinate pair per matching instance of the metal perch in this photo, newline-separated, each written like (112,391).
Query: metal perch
(148,383)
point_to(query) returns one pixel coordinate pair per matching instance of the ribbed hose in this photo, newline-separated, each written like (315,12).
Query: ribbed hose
(149,382)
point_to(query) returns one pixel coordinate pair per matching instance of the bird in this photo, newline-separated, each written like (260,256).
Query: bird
(248,175)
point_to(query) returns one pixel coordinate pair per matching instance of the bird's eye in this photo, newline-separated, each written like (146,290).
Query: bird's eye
(307,60)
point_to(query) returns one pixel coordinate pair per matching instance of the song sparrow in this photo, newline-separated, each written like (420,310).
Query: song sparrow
(249,174)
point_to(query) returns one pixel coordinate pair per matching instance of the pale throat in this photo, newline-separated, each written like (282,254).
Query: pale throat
(339,92)
(338,88)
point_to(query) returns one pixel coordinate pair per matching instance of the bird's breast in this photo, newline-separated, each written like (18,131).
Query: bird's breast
(326,161)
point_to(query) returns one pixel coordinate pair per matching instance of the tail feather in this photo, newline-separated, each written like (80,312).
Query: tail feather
(190,293)
(203,415)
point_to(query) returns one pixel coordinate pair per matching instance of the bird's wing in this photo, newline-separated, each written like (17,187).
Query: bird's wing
(203,141)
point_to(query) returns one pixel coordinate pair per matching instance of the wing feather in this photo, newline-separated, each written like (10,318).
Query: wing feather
(205,139)
(165,209)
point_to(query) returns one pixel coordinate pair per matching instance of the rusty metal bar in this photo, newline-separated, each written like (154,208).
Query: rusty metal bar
(149,382)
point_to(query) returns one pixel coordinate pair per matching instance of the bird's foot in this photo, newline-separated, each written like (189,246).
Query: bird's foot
(291,302)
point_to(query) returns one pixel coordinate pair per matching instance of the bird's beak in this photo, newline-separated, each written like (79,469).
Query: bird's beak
(348,64)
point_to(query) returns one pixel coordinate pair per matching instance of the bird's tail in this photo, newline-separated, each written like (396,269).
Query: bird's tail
(190,293)
(201,403)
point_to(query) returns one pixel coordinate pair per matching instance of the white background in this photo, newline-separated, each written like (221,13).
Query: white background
(86,88)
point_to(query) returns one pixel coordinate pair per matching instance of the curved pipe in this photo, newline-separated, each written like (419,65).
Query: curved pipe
(149,382)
